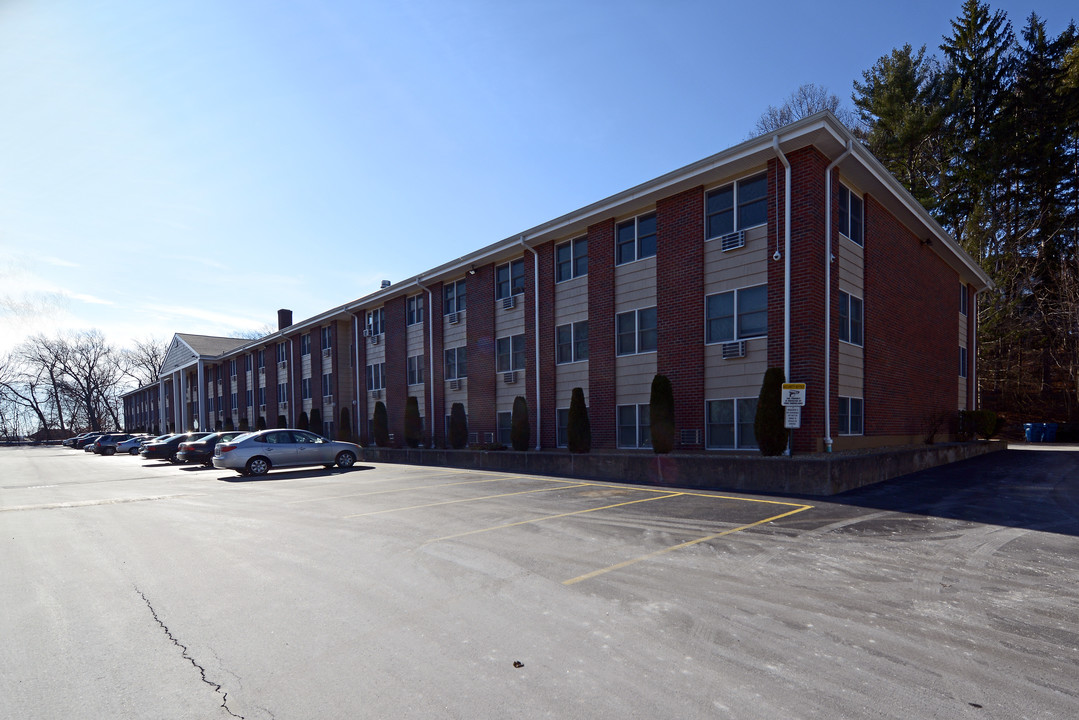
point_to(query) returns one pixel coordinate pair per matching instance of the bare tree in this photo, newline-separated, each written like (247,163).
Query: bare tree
(255,334)
(143,362)
(803,102)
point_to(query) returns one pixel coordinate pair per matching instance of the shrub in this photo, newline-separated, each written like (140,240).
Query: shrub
(316,421)
(344,428)
(244,424)
(303,423)
(282,421)
(519,425)
(413,422)
(769,421)
(380,425)
(661,414)
(228,424)
(983,422)
(260,424)
(458,427)
(578,429)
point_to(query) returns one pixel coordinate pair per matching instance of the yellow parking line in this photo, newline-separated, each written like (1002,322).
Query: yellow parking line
(415,487)
(451,502)
(657,553)
(551,517)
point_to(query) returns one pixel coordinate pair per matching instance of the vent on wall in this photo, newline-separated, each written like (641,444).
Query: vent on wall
(509,378)
(733,350)
(453,318)
(509,303)
(733,241)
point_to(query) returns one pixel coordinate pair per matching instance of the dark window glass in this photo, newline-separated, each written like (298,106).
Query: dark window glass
(719,211)
(753,312)
(719,311)
(646,236)
(752,202)
(625,242)
(648,338)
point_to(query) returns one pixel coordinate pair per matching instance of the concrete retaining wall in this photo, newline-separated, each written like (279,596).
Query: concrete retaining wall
(818,474)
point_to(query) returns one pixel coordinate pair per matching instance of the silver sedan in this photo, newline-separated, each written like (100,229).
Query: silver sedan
(258,452)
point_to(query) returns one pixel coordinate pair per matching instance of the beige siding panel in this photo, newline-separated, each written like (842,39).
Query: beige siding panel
(633,378)
(963,330)
(455,335)
(851,370)
(375,353)
(415,337)
(635,285)
(851,267)
(739,377)
(745,267)
(962,393)
(571,300)
(569,376)
(510,322)
(504,393)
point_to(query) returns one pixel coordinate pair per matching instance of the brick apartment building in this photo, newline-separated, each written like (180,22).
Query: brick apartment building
(795,250)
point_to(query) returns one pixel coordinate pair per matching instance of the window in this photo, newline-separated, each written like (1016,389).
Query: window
(571,342)
(510,279)
(456,367)
(327,338)
(262,396)
(736,315)
(414,366)
(850,416)
(634,426)
(282,392)
(636,331)
(635,239)
(850,215)
(376,376)
(262,359)
(850,318)
(510,353)
(963,307)
(232,400)
(561,427)
(962,361)
(374,322)
(414,310)
(305,388)
(505,428)
(729,424)
(737,206)
(282,352)
(232,368)
(327,383)
(305,344)
(453,295)
(571,259)
(247,364)
(249,398)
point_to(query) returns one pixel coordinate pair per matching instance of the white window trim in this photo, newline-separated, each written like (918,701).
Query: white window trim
(636,331)
(839,426)
(636,220)
(637,425)
(737,337)
(572,342)
(573,275)
(736,447)
(843,232)
(509,269)
(862,301)
(734,206)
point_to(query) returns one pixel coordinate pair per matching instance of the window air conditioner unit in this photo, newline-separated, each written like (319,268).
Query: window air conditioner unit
(474,438)
(367,332)
(262,370)
(489,437)
(327,399)
(455,384)
(325,352)
(262,408)
(733,241)
(733,350)
(453,318)
(690,437)
(374,339)
(283,405)
(509,378)
(282,365)
(509,303)
(376,394)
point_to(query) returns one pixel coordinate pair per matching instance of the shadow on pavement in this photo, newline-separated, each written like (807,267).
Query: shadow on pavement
(1023,488)
(292,474)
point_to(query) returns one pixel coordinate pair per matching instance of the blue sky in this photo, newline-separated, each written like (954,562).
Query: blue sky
(194,166)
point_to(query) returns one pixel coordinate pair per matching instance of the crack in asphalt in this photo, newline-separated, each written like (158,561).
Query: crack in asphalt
(202,671)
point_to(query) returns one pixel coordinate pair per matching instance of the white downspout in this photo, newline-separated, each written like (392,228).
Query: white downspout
(828,259)
(536,328)
(429,312)
(786,265)
(356,394)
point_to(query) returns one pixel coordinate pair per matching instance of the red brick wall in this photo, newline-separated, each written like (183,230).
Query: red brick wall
(911,336)
(547,348)
(601,389)
(680,301)
(480,316)
(361,421)
(396,338)
(434,360)
(972,362)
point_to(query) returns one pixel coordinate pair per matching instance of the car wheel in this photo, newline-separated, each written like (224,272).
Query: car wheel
(345,459)
(258,466)
(108,451)
(134,451)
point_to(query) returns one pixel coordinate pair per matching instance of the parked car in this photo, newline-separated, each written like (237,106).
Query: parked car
(70,442)
(81,443)
(106,444)
(131,445)
(258,452)
(89,446)
(202,450)
(166,449)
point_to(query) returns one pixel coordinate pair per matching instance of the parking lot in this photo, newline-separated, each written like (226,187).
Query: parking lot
(135,588)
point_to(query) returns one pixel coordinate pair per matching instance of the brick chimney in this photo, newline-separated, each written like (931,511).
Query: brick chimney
(284,319)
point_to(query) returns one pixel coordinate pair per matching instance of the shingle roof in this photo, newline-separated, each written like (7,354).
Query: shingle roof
(211,345)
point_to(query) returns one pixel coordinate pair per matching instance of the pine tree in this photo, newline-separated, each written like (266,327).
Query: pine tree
(578,427)
(380,425)
(458,435)
(768,424)
(519,426)
(413,422)
(661,414)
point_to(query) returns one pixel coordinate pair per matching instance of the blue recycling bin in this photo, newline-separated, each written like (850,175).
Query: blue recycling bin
(1034,432)
(1050,434)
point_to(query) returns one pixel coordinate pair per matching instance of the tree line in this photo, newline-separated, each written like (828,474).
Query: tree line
(56,386)
(986,137)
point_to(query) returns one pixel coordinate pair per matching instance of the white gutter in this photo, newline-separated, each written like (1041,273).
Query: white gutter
(429,311)
(292,386)
(536,328)
(829,258)
(786,259)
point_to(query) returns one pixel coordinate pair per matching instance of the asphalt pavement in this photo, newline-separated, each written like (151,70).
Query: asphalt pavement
(136,589)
